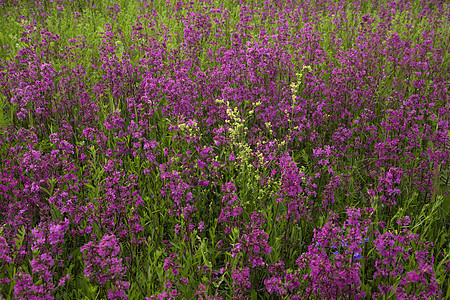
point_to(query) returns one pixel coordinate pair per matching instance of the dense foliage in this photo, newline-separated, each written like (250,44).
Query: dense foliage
(233,149)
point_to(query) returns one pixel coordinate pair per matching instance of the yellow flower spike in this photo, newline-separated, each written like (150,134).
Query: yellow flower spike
(307,67)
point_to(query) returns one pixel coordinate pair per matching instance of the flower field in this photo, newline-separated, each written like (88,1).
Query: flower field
(233,149)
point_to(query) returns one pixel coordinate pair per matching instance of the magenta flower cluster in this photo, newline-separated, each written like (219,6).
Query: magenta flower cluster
(224,149)
(104,265)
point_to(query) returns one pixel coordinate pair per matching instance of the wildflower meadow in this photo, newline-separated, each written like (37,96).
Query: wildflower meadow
(232,149)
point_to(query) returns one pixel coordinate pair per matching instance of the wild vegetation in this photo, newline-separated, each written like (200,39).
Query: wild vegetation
(233,149)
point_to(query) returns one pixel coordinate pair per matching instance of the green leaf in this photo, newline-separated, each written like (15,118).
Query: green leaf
(45,190)
(20,237)
(222,278)
(305,157)
(446,204)
(3,119)
(89,186)
(254,295)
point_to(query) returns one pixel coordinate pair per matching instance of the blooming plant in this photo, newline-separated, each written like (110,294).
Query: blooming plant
(213,149)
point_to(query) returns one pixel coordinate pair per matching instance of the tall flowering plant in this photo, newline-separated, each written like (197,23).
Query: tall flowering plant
(404,265)
(104,266)
(332,265)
